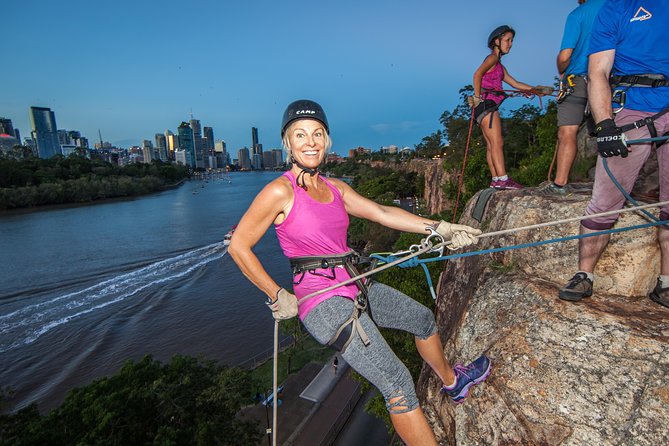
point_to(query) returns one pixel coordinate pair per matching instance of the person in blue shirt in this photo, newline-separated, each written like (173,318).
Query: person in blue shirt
(572,65)
(628,50)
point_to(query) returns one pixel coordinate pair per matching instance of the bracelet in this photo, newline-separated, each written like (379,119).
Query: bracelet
(269,300)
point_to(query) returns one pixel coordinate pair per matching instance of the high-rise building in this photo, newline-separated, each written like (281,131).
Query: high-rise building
(44,131)
(197,143)
(161,147)
(268,160)
(63,137)
(209,142)
(7,128)
(186,143)
(256,147)
(148,151)
(277,155)
(221,153)
(172,143)
(180,157)
(243,158)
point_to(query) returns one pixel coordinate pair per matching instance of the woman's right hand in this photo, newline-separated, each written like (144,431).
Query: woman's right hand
(473,101)
(285,305)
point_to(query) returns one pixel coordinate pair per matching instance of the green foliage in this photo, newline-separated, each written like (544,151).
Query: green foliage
(431,146)
(530,136)
(291,360)
(184,402)
(34,182)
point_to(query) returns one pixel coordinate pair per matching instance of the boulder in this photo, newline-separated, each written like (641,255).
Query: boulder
(593,372)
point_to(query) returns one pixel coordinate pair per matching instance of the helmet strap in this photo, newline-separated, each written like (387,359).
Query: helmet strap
(300,176)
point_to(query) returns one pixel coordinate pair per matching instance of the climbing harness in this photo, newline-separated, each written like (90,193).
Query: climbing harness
(508,93)
(621,83)
(650,123)
(566,88)
(310,264)
(640,80)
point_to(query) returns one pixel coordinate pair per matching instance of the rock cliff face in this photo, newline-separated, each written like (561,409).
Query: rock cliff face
(435,178)
(595,372)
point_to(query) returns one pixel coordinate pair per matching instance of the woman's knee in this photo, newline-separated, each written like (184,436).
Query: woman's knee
(427,324)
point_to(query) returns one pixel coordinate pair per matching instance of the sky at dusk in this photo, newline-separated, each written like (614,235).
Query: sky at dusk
(383,70)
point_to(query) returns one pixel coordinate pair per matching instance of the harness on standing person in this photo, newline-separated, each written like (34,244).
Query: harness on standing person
(349,261)
(619,86)
(567,86)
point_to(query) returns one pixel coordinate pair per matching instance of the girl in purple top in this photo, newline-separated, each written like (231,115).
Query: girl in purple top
(310,214)
(488,95)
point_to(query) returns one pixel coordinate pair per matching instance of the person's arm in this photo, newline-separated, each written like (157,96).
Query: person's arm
(609,137)
(487,64)
(269,204)
(389,216)
(599,90)
(564,59)
(514,83)
(397,218)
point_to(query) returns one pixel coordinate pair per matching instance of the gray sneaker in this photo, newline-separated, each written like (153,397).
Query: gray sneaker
(660,295)
(577,288)
(551,188)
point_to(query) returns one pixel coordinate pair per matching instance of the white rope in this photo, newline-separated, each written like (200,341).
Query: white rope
(275,401)
(489,234)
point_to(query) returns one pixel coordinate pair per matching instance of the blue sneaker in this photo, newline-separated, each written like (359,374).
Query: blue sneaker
(467,376)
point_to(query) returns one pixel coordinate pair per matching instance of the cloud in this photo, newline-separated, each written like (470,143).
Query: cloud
(400,127)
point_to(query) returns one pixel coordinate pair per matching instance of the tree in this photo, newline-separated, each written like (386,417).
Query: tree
(185,402)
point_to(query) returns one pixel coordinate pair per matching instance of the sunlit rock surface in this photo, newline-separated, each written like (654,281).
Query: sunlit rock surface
(594,372)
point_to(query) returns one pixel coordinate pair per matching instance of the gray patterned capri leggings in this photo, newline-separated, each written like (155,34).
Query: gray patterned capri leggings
(377,362)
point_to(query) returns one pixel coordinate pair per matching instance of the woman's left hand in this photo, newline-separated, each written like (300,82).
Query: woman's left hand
(459,235)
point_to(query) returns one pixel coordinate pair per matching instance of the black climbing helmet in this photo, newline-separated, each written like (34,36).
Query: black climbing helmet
(499,32)
(303,109)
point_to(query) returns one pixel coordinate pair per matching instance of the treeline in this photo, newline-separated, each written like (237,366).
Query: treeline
(184,402)
(75,179)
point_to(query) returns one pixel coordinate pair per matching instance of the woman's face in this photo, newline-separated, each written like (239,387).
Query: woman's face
(307,139)
(506,42)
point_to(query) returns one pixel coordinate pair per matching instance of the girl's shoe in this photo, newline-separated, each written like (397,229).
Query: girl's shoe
(509,184)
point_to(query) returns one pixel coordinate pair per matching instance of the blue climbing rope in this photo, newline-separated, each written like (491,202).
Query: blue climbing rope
(415,261)
(624,192)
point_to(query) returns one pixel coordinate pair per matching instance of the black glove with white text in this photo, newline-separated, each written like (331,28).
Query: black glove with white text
(610,139)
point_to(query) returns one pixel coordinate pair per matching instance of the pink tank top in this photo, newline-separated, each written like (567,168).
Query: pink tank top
(492,80)
(316,229)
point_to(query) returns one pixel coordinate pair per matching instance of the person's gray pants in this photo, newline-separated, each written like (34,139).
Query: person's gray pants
(377,362)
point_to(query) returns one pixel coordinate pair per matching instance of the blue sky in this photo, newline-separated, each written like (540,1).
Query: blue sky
(384,71)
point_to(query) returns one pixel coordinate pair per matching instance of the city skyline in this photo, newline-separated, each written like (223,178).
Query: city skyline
(383,70)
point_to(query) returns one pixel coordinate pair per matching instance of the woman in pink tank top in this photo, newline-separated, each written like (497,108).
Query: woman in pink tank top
(488,95)
(310,214)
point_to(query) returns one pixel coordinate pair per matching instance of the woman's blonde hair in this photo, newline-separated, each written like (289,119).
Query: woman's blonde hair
(286,142)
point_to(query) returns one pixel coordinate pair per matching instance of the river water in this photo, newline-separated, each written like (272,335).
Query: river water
(84,289)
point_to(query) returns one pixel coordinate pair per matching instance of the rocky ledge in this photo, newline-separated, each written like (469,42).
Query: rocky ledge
(595,372)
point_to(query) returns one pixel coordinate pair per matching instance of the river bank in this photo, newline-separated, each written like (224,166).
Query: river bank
(48,207)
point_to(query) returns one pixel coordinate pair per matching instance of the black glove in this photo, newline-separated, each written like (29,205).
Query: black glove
(610,139)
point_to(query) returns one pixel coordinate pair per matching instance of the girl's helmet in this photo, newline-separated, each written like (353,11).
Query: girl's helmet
(499,32)
(303,109)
